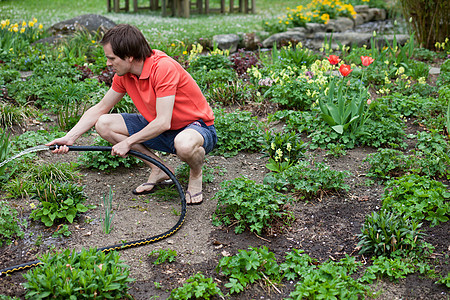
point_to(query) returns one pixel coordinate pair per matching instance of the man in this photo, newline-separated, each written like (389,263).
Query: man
(174,116)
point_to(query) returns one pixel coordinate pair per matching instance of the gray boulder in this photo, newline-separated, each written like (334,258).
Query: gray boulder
(227,42)
(91,22)
(284,37)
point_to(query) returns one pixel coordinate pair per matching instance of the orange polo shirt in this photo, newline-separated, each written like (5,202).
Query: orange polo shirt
(162,76)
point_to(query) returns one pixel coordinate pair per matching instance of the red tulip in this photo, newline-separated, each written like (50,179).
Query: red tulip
(366,60)
(333,59)
(345,70)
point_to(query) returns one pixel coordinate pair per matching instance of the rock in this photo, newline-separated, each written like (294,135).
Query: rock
(361,8)
(284,37)
(250,41)
(339,25)
(359,19)
(379,14)
(314,27)
(90,22)
(227,41)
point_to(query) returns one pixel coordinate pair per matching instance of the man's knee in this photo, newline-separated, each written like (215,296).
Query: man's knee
(103,124)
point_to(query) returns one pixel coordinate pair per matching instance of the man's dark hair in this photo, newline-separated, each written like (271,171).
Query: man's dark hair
(127,41)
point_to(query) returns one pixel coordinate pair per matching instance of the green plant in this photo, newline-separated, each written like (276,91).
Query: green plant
(306,181)
(417,197)
(245,203)
(445,280)
(297,264)
(291,94)
(182,173)
(163,256)
(197,287)
(11,115)
(432,154)
(384,232)
(62,230)
(10,224)
(32,138)
(237,131)
(248,266)
(88,274)
(107,204)
(387,163)
(336,110)
(284,149)
(104,160)
(4,150)
(331,280)
(209,62)
(58,201)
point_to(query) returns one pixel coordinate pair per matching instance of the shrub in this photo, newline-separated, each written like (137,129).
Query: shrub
(10,224)
(417,197)
(384,232)
(88,274)
(197,287)
(245,203)
(209,62)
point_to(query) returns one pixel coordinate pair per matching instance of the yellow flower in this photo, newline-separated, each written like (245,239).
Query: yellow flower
(34,20)
(92,41)
(22,30)
(32,205)
(172,45)
(31,24)
(24,24)
(15,29)
(41,26)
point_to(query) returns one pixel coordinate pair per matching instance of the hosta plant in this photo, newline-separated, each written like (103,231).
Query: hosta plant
(197,287)
(58,201)
(243,202)
(384,232)
(88,274)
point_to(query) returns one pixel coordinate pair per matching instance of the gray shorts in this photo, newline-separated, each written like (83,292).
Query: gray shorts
(165,141)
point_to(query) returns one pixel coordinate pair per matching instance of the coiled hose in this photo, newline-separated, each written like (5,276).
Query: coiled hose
(122,246)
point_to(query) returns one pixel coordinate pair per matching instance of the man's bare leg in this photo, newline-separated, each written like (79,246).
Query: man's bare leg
(112,128)
(189,146)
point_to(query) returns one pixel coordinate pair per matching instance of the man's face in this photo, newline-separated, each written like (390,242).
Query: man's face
(120,66)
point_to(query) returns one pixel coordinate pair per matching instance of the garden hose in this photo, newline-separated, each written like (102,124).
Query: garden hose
(126,245)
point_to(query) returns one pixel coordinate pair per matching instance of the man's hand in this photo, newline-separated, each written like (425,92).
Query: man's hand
(61,143)
(121,149)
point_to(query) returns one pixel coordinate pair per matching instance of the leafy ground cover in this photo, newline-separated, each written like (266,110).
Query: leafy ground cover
(330,178)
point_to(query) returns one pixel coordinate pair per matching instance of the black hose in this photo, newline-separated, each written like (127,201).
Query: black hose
(122,246)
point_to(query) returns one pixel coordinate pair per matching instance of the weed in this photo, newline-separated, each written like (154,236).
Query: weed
(196,287)
(10,225)
(163,256)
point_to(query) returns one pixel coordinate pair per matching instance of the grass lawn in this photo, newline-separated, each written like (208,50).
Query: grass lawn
(156,28)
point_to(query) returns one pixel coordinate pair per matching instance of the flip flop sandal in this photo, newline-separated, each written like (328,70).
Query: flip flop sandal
(156,186)
(193,196)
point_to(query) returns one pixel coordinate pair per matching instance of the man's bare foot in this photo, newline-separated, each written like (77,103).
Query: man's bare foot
(194,193)
(155,178)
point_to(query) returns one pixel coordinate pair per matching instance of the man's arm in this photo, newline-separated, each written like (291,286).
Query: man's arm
(88,119)
(162,123)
